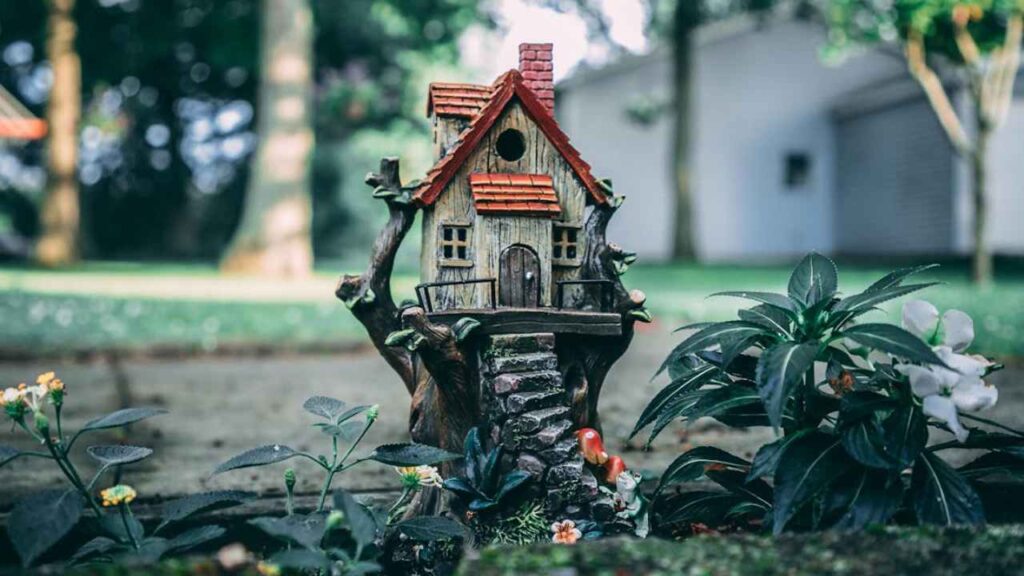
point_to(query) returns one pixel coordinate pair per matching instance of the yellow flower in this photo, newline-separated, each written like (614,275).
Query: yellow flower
(268,569)
(565,532)
(45,378)
(414,476)
(117,495)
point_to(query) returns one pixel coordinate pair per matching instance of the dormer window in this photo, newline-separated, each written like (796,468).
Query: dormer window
(565,244)
(454,245)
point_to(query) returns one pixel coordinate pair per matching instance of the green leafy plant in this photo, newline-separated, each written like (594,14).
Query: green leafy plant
(347,539)
(852,404)
(43,519)
(484,487)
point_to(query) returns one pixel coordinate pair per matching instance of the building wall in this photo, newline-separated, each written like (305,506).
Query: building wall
(1006,168)
(491,234)
(896,181)
(761,93)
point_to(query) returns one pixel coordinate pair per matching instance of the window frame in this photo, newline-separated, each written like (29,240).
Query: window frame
(454,261)
(563,242)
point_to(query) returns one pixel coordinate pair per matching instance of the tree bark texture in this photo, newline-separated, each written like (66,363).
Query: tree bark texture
(685,21)
(58,242)
(981,266)
(274,235)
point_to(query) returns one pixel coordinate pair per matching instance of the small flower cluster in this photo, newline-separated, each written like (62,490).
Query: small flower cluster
(16,401)
(947,392)
(117,495)
(414,477)
(565,532)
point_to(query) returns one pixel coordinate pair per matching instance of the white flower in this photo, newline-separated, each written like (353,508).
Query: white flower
(947,392)
(954,329)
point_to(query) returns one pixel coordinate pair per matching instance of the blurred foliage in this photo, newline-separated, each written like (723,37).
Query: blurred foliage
(168,90)
(869,21)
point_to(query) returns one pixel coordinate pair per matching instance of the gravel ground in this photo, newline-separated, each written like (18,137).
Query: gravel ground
(222,406)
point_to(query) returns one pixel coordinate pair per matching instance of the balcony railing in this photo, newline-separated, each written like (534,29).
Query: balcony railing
(423,290)
(604,300)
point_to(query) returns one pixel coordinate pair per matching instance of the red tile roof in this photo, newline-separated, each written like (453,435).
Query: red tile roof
(459,100)
(529,194)
(507,86)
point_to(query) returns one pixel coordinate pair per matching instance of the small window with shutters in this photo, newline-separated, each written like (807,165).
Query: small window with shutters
(454,245)
(565,244)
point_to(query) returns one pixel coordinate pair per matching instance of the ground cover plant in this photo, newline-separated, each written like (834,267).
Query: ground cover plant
(853,404)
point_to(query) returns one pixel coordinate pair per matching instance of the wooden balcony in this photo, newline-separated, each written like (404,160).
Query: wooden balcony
(531,320)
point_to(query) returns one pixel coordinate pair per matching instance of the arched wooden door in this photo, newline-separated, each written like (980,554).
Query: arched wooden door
(519,277)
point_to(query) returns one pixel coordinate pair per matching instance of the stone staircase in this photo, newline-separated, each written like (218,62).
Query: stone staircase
(530,415)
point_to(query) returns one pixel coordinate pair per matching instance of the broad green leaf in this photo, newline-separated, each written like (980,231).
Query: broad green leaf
(510,483)
(117,455)
(814,279)
(664,397)
(95,547)
(993,463)
(768,316)
(694,326)
(691,465)
(430,528)
(348,431)
(676,408)
(461,487)
(464,328)
(706,507)
(324,407)
(864,441)
(942,496)
(195,537)
(41,520)
(261,456)
(892,340)
(122,418)
(306,531)
(735,481)
(867,300)
(303,561)
(894,278)
(779,370)
(979,438)
(411,454)
(181,508)
(113,525)
(783,303)
(358,517)
(807,467)
(863,403)
(906,433)
(767,458)
(713,335)
(351,413)
(864,496)
(718,401)
(8,453)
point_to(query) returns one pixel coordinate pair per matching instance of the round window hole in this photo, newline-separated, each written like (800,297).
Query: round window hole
(510,145)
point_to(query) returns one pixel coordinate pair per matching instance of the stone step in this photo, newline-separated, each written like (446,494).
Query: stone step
(521,402)
(561,451)
(535,421)
(543,440)
(540,381)
(512,344)
(531,362)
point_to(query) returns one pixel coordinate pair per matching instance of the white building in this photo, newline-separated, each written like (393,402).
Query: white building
(790,154)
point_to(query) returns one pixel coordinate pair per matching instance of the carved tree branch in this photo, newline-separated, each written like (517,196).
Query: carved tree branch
(587,359)
(369,295)
(1006,62)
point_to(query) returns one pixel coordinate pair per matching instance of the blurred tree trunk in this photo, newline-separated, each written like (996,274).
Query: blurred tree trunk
(686,19)
(273,237)
(58,241)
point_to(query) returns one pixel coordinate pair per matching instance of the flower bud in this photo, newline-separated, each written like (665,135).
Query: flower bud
(289,479)
(42,424)
(335,519)
(372,412)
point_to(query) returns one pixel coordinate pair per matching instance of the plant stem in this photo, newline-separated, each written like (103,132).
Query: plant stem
(71,474)
(400,504)
(60,430)
(991,423)
(330,474)
(125,513)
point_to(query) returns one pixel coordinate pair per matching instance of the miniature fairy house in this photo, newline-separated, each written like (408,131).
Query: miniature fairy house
(520,310)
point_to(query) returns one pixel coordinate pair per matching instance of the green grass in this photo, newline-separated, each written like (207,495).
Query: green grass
(105,306)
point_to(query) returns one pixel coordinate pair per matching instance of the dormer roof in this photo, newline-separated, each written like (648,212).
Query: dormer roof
(451,99)
(508,86)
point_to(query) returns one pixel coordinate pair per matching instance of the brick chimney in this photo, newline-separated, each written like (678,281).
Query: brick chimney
(535,65)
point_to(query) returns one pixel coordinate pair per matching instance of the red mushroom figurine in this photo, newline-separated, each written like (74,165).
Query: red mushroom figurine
(614,466)
(591,446)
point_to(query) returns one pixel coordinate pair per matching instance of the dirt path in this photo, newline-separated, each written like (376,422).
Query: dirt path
(222,406)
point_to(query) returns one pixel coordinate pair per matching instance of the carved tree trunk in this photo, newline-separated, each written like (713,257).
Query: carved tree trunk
(273,237)
(685,21)
(58,243)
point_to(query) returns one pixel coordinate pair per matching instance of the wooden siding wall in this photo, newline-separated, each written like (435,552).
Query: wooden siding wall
(493,234)
(446,133)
